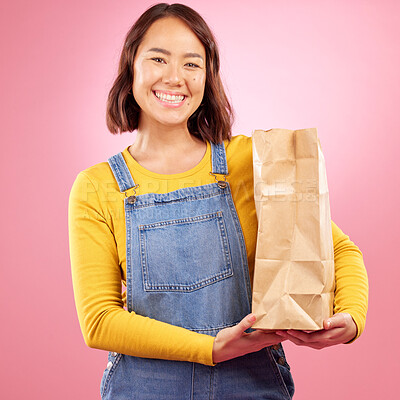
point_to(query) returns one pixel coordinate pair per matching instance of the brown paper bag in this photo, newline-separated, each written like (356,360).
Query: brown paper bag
(294,269)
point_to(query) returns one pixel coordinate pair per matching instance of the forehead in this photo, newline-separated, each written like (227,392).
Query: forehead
(171,34)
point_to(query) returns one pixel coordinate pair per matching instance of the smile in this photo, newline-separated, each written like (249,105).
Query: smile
(169,98)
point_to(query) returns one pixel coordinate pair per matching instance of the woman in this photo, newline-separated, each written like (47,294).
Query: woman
(172,217)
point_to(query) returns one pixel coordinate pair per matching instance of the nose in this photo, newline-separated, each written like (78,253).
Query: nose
(173,75)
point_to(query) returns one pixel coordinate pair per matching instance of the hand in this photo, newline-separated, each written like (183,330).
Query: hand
(340,328)
(235,342)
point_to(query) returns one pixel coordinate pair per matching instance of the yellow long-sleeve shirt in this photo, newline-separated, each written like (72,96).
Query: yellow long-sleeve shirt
(98,257)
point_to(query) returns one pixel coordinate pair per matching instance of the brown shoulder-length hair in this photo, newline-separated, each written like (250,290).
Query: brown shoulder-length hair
(212,120)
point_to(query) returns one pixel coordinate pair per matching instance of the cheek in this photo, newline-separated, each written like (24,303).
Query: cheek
(201,79)
(137,79)
(144,78)
(198,83)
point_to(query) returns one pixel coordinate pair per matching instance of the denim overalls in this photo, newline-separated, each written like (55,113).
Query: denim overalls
(186,264)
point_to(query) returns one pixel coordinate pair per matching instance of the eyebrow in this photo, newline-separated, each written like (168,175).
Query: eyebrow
(168,53)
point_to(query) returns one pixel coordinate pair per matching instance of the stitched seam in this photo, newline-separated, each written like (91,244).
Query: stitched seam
(128,175)
(221,166)
(190,287)
(125,174)
(129,282)
(212,382)
(202,281)
(110,374)
(117,173)
(278,374)
(182,221)
(242,242)
(172,201)
(192,389)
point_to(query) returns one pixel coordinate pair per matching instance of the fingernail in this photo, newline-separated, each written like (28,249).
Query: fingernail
(252,318)
(328,324)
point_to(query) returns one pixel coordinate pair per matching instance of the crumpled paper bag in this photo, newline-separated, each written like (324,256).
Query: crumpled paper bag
(294,273)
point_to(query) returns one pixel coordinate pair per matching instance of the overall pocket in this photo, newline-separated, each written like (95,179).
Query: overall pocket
(183,255)
(113,361)
(281,367)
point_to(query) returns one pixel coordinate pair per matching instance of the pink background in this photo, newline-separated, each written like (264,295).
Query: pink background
(333,65)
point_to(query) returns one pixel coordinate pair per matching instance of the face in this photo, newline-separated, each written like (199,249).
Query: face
(169,74)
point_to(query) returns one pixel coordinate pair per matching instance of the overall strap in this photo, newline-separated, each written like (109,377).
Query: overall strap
(121,172)
(219,165)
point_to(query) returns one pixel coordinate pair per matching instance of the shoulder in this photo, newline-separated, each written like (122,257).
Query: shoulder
(239,148)
(95,179)
(94,193)
(239,141)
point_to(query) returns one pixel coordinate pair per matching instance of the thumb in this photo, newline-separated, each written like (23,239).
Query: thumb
(334,322)
(244,324)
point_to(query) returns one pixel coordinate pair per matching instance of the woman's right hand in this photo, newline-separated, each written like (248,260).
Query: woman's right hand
(235,342)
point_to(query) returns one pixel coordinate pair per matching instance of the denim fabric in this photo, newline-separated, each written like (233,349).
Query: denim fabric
(186,252)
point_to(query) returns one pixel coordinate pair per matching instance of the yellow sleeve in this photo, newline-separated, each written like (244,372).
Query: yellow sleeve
(96,277)
(351,293)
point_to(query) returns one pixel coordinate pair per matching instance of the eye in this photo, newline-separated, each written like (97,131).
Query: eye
(192,65)
(158,59)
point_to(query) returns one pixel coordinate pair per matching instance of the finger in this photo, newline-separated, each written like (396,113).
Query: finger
(327,323)
(321,336)
(258,339)
(318,345)
(309,338)
(282,335)
(304,336)
(322,339)
(272,336)
(261,333)
(243,325)
(296,341)
(264,338)
(337,320)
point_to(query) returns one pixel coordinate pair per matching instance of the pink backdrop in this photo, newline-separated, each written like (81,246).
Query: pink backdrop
(293,64)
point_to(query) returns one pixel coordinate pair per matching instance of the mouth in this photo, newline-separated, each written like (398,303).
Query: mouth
(169,99)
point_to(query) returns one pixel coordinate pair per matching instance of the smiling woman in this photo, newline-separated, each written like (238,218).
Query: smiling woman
(173,218)
(211,121)
(169,73)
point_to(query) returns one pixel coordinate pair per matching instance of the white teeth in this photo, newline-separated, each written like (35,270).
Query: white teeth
(171,98)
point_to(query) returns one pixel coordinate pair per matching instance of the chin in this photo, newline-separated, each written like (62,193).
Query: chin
(171,123)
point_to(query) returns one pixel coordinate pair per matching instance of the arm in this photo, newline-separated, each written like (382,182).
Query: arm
(351,298)
(351,294)
(96,277)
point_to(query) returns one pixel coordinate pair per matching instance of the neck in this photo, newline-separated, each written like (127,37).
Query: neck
(158,139)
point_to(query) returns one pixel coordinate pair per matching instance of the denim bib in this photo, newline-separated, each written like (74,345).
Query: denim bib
(186,265)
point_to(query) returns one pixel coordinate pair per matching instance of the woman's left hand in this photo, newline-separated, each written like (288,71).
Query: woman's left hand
(340,328)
